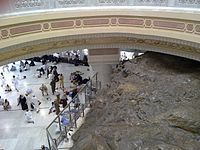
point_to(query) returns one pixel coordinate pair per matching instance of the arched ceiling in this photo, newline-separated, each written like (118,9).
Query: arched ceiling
(37,34)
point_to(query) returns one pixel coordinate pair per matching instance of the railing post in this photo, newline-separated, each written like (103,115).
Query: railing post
(53,143)
(171,3)
(48,141)
(82,107)
(96,82)
(52,4)
(59,123)
(75,123)
(10,6)
(70,115)
(91,3)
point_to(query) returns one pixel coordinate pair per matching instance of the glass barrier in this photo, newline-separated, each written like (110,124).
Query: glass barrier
(31,6)
(67,118)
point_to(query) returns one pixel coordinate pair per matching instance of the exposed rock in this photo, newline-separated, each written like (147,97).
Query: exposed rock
(153,105)
(185,117)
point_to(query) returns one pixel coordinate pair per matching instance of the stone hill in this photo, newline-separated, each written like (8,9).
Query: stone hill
(152,103)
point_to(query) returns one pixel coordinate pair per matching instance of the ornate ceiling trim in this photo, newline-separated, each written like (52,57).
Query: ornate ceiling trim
(173,36)
(49,47)
(176,28)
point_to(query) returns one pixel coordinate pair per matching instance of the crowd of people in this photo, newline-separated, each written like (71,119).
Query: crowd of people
(6,86)
(73,57)
(56,82)
(28,101)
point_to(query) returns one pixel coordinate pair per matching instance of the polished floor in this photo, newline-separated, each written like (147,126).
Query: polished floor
(15,132)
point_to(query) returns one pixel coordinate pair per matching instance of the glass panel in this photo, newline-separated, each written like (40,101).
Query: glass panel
(27,5)
(69,3)
(30,6)
(151,2)
(67,119)
(188,3)
(112,2)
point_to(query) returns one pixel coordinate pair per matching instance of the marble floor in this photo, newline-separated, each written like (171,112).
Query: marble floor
(15,133)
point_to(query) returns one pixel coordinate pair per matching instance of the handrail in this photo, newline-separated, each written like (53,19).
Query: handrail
(70,102)
(73,118)
(49,136)
(21,6)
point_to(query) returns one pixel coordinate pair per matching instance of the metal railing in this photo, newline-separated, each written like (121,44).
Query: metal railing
(21,6)
(57,129)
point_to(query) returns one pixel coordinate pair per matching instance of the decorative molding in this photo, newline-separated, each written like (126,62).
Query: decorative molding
(99,42)
(190,27)
(169,25)
(105,59)
(197,29)
(46,26)
(111,51)
(102,35)
(137,22)
(96,22)
(4,33)
(176,26)
(25,29)
(113,40)
(59,25)
(78,23)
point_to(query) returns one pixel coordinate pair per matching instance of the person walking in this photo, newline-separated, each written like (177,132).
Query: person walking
(49,71)
(57,105)
(15,83)
(1,100)
(53,86)
(61,81)
(55,73)
(22,102)
(35,102)
(3,81)
(5,67)
(29,100)
(44,89)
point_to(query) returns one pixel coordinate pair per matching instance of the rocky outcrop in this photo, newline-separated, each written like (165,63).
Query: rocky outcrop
(185,117)
(152,103)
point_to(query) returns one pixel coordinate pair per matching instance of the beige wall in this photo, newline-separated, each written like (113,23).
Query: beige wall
(79,26)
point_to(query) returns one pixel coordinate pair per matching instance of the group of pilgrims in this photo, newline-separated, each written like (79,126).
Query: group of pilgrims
(29,102)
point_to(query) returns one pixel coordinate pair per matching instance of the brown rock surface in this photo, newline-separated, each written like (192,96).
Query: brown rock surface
(152,103)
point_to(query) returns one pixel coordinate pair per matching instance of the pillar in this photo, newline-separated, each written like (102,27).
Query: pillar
(101,61)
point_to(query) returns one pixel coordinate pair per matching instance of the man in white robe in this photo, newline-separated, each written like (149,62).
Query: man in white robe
(29,117)
(15,83)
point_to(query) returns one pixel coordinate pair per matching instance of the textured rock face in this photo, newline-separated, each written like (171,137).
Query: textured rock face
(152,103)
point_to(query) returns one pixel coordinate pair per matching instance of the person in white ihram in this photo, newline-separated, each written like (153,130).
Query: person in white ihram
(35,101)
(1,100)
(3,81)
(29,117)
(15,83)
(28,98)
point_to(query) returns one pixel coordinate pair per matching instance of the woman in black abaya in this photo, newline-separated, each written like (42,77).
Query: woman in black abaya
(22,101)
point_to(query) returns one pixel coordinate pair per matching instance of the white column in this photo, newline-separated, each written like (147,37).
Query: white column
(101,61)
(104,73)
